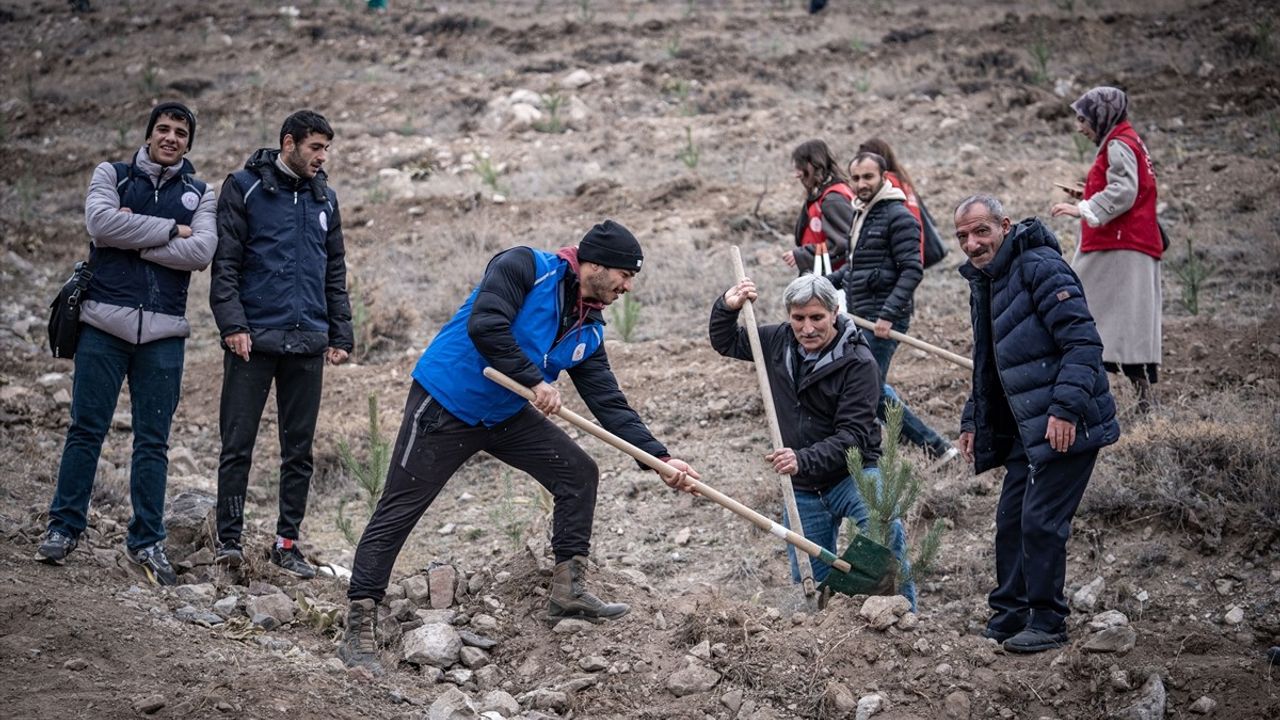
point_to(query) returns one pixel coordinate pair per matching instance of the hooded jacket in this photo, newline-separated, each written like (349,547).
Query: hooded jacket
(831,409)
(138,292)
(280,271)
(1036,353)
(884,266)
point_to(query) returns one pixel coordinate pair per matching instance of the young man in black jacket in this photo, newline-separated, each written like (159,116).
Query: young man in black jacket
(279,297)
(825,388)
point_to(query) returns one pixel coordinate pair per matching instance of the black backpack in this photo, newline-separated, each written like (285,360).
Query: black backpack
(932,249)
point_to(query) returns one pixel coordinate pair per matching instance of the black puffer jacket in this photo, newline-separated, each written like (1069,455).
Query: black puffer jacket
(881,277)
(831,410)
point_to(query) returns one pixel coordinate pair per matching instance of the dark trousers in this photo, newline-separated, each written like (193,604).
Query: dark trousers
(1033,522)
(430,448)
(154,370)
(245,386)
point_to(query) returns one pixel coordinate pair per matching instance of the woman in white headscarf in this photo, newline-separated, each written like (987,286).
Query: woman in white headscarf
(1118,259)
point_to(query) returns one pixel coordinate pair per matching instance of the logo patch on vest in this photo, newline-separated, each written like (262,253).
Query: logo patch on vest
(190,200)
(815,224)
(324,221)
(579,352)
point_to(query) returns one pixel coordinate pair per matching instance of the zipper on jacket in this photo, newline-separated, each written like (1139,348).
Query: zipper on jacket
(139,325)
(295,197)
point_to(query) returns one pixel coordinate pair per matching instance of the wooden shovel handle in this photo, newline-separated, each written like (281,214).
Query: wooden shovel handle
(960,360)
(760,521)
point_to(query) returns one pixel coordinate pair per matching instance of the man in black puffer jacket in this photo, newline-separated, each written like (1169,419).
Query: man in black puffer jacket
(880,280)
(1041,406)
(279,297)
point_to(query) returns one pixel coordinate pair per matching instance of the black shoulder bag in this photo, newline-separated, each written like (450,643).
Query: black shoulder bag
(64,311)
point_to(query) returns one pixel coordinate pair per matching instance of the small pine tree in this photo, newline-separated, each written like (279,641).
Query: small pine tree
(892,497)
(370,471)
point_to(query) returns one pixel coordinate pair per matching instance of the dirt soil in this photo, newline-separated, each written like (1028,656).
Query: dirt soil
(680,126)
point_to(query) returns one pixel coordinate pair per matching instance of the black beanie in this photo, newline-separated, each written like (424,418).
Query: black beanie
(178,109)
(611,245)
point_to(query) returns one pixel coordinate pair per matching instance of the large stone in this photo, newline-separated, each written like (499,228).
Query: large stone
(473,657)
(453,705)
(1112,640)
(546,699)
(1204,705)
(501,701)
(868,705)
(203,593)
(1108,619)
(957,706)
(838,700)
(882,611)
(276,605)
(226,607)
(416,588)
(487,677)
(188,520)
(477,640)
(1234,615)
(696,678)
(442,579)
(434,644)
(458,676)
(1150,703)
(484,623)
(593,663)
(1088,596)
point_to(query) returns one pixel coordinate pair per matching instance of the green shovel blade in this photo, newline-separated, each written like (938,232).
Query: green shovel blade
(872,570)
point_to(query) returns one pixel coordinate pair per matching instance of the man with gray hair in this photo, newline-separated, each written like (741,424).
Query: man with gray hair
(825,386)
(1040,406)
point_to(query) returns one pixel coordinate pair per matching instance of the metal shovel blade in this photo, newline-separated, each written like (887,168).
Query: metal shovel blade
(872,570)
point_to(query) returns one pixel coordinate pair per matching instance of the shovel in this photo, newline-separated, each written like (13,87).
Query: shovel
(865,568)
(960,360)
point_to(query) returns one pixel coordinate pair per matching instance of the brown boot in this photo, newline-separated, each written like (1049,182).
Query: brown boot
(570,599)
(359,645)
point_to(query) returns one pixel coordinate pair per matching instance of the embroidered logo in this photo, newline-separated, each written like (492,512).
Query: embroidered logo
(815,224)
(324,221)
(1063,295)
(579,352)
(190,200)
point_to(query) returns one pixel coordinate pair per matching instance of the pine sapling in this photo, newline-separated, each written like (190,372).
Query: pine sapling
(370,472)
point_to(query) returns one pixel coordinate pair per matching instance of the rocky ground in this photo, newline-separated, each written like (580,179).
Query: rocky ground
(467,128)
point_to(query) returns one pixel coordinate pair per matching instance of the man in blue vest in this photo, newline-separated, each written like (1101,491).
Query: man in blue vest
(533,315)
(279,297)
(1040,406)
(151,223)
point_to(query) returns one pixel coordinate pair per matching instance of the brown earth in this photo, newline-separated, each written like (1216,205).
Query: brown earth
(683,133)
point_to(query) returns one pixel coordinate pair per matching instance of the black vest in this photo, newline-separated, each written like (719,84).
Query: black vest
(122,277)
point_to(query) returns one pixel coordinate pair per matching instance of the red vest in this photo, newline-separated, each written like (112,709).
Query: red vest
(912,203)
(1136,228)
(813,233)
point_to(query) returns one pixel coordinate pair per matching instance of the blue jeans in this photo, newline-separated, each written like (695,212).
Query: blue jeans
(821,514)
(154,371)
(914,430)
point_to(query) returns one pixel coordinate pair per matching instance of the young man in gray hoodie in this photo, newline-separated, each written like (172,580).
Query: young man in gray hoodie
(150,223)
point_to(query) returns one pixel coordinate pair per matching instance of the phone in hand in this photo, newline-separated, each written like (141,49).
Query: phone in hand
(1075,191)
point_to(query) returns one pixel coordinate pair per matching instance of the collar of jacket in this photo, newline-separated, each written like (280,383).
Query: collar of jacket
(156,172)
(263,164)
(1028,234)
(846,336)
(886,192)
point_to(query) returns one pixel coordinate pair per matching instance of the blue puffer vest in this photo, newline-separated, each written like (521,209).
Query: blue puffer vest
(452,370)
(282,281)
(1034,343)
(122,277)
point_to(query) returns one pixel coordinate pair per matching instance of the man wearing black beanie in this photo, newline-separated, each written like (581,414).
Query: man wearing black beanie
(533,315)
(151,223)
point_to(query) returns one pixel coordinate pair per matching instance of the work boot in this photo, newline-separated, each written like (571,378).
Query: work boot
(570,599)
(359,647)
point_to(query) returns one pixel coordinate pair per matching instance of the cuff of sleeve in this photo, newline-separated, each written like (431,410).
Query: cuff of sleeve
(1063,414)
(1086,212)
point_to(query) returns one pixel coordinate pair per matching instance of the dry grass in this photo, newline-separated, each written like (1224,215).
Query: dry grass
(1215,470)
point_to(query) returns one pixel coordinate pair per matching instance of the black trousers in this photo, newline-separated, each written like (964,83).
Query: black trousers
(1033,523)
(433,444)
(245,386)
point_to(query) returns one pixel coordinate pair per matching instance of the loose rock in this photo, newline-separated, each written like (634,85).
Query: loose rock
(593,663)
(868,705)
(434,644)
(957,706)
(1116,639)
(1087,597)
(545,699)
(882,611)
(1150,704)
(501,701)
(416,589)
(453,705)
(442,580)
(696,678)
(1204,705)
(1108,619)
(149,705)
(474,657)
(476,640)
(571,626)
(838,700)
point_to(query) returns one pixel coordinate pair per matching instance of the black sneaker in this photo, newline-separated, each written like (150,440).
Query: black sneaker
(1033,640)
(153,560)
(999,635)
(229,555)
(55,548)
(290,560)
